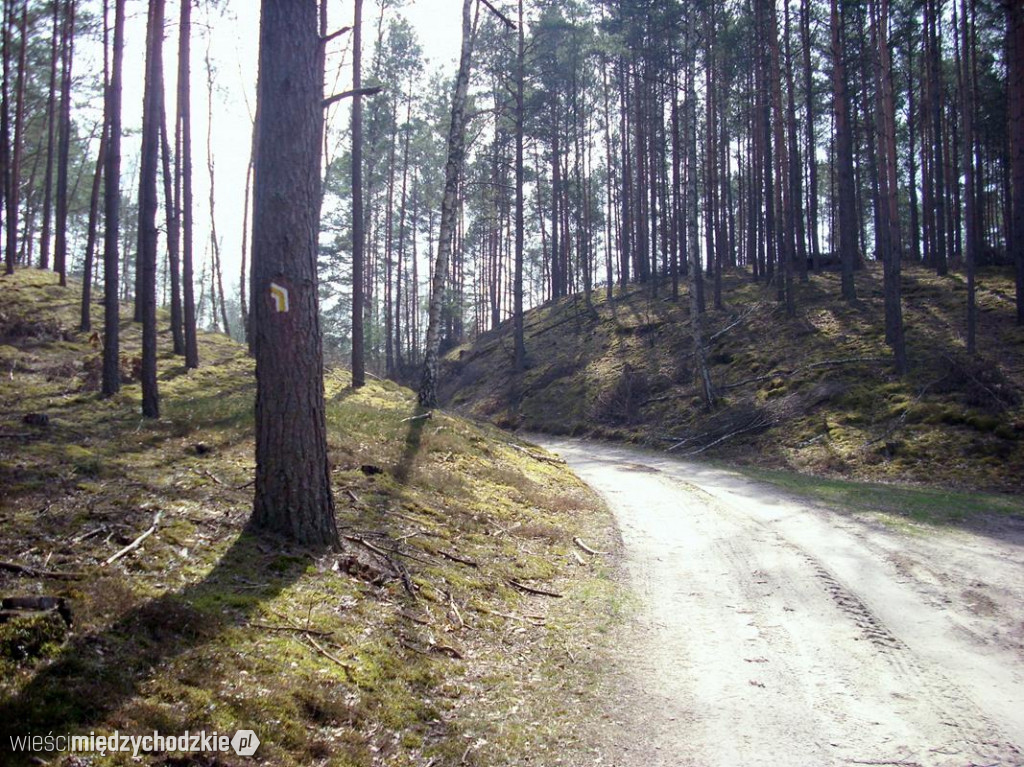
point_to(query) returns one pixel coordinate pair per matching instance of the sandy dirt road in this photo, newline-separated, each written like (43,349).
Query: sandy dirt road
(772,632)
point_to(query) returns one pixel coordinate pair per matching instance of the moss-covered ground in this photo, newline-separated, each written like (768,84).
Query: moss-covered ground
(814,393)
(416,645)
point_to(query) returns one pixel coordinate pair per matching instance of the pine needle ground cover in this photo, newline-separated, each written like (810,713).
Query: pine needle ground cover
(814,393)
(432,638)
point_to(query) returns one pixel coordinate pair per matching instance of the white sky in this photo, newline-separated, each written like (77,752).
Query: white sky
(232,40)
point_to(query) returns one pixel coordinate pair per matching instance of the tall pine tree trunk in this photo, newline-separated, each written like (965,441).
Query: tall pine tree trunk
(183,142)
(51,135)
(293,491)
(112,212)
(519,357)
(358,220)
(1015,84)
(14,169)
(172,204)
(152,113)
(847,202)
(887,233)
(60,249)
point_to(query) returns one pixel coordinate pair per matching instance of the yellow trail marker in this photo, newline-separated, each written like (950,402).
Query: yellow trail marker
(280,296)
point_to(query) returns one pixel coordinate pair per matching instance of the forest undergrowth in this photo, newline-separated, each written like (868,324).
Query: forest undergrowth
(458,626)
(815,393)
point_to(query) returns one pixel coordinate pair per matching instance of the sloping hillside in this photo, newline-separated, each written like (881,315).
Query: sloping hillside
(813,393)
(429,640)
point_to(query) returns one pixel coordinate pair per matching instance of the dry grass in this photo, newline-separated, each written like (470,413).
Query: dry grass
(210,625)
(820,384)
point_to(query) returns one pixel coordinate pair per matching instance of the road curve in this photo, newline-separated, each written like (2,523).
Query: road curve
(773,632)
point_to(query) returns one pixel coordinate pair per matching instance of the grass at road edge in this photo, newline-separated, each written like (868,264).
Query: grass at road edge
(906,503)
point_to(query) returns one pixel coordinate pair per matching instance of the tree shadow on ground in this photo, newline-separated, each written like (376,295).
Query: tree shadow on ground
(100,670)
(413,437)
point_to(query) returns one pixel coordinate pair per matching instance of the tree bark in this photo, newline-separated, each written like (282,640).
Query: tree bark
(60,250)
(183,140)
(173,208)
(358,222)
(51,134)
(970,198)
(887,234)
(151,116)
(519,358)
(14,170)
(1015,81)
(293,492)
(85,323)
(112,213)
(449,207)
(847,202)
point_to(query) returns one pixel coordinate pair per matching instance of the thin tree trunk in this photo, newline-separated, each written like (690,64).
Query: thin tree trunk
(183,141)
(51,133)
(85,324)
(811,142)
(847,203)
(243,300)
(453,169)
(14,184)
(358,223)
(152,113)
(937,162)
(112,212)
(887,233)
(970,199)
(60,251)
(214,240)
(692,226)
(173,221)
(519,358)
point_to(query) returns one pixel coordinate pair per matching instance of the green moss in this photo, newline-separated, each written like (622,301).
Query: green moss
(31,636)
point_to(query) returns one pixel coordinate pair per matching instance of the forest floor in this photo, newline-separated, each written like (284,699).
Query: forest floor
(459,626)
(814,393)
(770,629)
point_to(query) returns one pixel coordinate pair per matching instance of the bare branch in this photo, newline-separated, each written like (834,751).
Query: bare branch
(334,35)
(505,19)
(371,91)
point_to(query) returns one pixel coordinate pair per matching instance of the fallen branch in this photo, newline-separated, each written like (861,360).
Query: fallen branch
(33,572)
(586,548)
(532,590)
(90,534)
(738,321)
(330,656)
(208,473)
(137,542)
(456,558)
(397,568)
(758,423)
(536,456)
(296,629)
(533,620)
(421,417)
